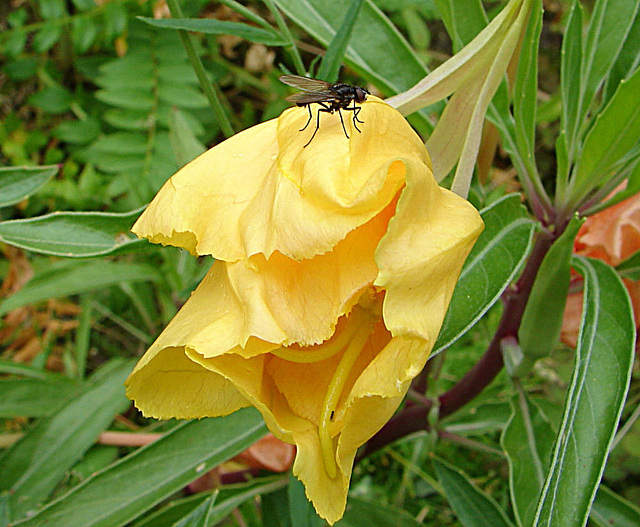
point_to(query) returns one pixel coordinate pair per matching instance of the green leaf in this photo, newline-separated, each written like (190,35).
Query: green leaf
(84,32)
(75,277)
(630,268)
(570,79)
(78,132)
(595,397)
(9,366)
(464,19)
(183,141)
(211,26)
(52,99)
(52,9)
(473,507)
(628,59)
(380,51)
(485,416)
(330,65)
(129,98)
(527,440)
(18,183)
(121,143)
(275,509)
(127,119)
(200,516)
(610,23)
(229,498)
(608,28)
(491,266)
(611,510)
(361,511)
(34,397)
(33,466)
(615,132)
(182,96)
(46,38)
(525,90)
(137,482)
(545,307)
(73,234)
(302,513)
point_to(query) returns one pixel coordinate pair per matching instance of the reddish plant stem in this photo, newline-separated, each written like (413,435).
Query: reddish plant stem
(414,417)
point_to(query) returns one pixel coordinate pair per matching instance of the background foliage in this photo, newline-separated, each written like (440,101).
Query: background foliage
(100,104)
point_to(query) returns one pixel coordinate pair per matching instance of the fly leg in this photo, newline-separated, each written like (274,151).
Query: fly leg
(310,117)
(324,108)
(345,130)
(356,111)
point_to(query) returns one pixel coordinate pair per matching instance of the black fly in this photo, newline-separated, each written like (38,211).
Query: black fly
(331,97)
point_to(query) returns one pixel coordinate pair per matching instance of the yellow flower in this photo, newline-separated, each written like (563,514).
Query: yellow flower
(334,268)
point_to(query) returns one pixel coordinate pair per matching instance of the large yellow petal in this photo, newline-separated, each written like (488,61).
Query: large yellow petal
(170,385)
(262,191)
(306,298)
(421,255)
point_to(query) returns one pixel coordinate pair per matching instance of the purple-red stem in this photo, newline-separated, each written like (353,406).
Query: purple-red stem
(414,417)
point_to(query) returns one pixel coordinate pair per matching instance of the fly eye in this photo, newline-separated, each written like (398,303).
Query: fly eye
(361,94)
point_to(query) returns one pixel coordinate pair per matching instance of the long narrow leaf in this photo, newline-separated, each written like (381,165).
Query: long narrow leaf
(613,135)
(464,19)
(74,277)
(330,65)
(609,509)
(595,398)
(136,483)
(73,234)
(608,29)
(473,507)
(362,511)
(380,51)
(527,441)
(525,89)
(570,79)
(18,183)
(34,397)
(212,26)
(33,467)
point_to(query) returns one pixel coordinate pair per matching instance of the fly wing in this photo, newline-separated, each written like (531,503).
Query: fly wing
(305,97)
(306,84)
